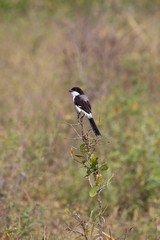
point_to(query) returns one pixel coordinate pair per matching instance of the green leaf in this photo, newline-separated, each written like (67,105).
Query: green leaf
(104,167)
(93,191)
(88,172)
(98,179)
(82,148)
(93,161)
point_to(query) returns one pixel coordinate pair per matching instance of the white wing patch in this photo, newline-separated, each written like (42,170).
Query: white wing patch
(89,115)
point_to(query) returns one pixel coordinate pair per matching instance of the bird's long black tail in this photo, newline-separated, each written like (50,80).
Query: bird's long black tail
(94,126)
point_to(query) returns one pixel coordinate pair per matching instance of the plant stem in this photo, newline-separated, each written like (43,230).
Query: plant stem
(100,222)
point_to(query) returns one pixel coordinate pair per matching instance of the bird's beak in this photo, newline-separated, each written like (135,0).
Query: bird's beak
(70,91)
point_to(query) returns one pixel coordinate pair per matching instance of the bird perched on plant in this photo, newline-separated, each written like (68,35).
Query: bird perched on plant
(83,105)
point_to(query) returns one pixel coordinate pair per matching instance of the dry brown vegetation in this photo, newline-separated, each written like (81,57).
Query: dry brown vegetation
(113,54)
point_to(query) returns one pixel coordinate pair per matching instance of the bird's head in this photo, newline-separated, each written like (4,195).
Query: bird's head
(75,91)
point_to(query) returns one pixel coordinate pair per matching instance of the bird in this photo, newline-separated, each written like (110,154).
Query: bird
(83,105)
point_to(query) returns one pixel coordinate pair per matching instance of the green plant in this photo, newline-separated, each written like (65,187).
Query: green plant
(94,168)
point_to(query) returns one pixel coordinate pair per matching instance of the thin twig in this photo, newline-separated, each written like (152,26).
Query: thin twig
(82,224)
(75,231)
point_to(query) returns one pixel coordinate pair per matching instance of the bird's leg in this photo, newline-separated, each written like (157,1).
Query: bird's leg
(78,115)
(82,117)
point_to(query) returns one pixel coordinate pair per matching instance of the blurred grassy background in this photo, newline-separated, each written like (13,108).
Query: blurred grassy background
(111,49)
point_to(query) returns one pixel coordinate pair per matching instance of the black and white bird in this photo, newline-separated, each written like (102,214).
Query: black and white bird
(82,104)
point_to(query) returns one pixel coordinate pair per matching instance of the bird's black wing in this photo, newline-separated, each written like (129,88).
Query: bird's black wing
(82,102)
